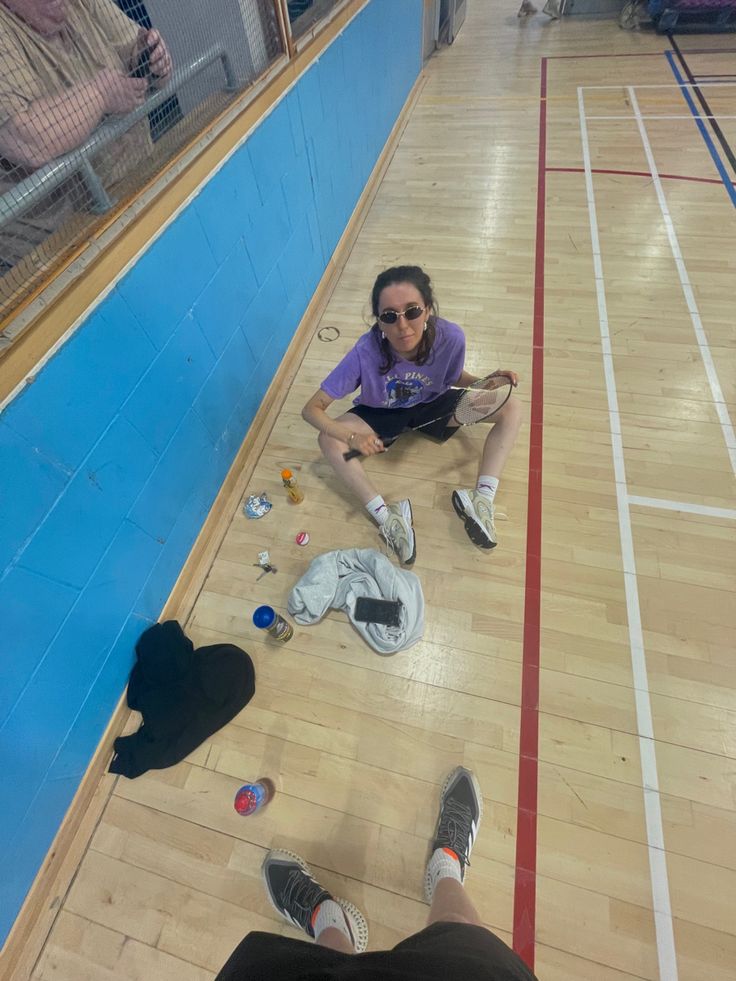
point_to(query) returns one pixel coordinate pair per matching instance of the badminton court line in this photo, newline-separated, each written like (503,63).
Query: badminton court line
(700,335)
(683,506)
(665,85)
(662,909)
(679,116)
(702,128)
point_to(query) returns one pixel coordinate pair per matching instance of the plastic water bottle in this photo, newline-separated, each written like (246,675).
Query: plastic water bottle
(266,618)
(253,796)
(296,494)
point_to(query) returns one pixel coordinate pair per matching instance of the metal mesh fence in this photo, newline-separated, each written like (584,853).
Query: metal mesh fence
(95,97)
(304,14)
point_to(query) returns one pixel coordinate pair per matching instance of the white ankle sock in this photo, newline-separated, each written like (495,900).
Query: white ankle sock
(377,509)
(443,864)
(487,485)
(331,914)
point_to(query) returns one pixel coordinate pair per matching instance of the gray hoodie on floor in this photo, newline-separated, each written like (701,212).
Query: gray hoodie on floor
(336,579)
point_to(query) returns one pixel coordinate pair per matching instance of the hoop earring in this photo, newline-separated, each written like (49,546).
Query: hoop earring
(383,336)
(426,324)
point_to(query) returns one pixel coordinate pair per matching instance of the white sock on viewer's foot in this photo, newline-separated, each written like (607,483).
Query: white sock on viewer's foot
(444,864)
(331,914)
(487,486)
(377,509)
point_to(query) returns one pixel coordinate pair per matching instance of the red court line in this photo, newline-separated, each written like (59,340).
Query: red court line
(525,877)
(635,173)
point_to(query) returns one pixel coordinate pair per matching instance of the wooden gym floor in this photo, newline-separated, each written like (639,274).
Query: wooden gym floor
(601,266)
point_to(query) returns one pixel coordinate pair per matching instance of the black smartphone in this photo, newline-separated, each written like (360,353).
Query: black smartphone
(387,612)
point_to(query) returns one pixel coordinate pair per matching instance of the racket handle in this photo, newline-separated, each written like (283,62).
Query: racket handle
(351,454)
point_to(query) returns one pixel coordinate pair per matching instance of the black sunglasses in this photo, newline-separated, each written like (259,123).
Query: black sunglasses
(391,316)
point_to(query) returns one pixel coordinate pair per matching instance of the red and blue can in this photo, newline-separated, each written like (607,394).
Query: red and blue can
(253,796)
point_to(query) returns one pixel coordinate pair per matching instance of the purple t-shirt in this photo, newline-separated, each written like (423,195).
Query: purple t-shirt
(406,383)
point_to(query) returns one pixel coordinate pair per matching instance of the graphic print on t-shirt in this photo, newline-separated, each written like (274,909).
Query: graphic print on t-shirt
(406,383)
(403,392)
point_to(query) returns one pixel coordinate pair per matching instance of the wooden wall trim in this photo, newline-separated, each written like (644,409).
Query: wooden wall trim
(285,26)
(87,274)
(45,898)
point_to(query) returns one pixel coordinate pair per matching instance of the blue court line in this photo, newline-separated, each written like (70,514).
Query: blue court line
(720,167)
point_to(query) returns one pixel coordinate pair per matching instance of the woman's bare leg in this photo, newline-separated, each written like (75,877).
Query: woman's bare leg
(500,441)
(394,520)
(350,472)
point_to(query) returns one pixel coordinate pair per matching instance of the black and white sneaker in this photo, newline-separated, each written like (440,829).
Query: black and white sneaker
(461,808)
(295,894)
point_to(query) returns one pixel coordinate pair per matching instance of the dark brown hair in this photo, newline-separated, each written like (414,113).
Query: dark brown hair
(420,280)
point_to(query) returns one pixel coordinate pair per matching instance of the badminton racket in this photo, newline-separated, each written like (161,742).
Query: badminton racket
(479,401)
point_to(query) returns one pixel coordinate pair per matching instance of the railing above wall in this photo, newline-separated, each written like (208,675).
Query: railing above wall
(42,182)
(39,279)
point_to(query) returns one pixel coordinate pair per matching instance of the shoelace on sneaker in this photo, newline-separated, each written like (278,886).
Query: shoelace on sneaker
(454,830)
(301,895)
(392,529)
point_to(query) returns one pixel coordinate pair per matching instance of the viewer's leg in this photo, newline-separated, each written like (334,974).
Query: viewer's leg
(450,904)
(334,939)
(461,808)
(303,902)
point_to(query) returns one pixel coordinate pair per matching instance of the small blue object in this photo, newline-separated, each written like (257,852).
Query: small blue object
(257,505)
(264,617)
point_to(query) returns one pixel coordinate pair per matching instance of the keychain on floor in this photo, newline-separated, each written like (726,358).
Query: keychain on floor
(264,563)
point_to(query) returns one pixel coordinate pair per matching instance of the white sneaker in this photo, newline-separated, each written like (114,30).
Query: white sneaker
(398,530)
(477,512)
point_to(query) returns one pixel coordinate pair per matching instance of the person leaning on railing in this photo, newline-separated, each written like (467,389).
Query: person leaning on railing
(64,67)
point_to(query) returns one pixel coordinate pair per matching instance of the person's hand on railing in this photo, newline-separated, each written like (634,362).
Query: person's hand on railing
(152,47)
(119,93)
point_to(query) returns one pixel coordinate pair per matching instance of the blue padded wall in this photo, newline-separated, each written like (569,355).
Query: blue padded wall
(111,460)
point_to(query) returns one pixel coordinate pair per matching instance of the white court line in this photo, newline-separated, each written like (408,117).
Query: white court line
(627,115)
(662,909)
(667,85)
(704,509)
(700,335)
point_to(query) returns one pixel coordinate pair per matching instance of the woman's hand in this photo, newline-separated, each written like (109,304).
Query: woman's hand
(367,444)
(505,373)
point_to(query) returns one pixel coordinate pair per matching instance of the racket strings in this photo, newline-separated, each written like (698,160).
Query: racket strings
(477,404)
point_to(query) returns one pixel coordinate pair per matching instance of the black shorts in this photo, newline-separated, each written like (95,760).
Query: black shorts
(391,423)
(444,951)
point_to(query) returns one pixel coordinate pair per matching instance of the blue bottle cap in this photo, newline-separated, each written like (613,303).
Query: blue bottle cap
(264,616)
